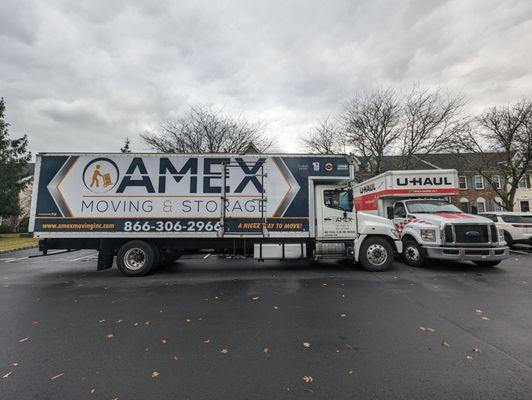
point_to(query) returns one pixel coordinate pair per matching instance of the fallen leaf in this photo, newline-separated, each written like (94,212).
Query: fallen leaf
(485,318)
(431,329)
(224,351)
(422,328)
(163,341)
(350,372)
(119,321)
(207,341)
(306,344)
(445,344)
(188,320)
(265,350)
(53,378)
(147,323)
(477,311)
(92,391)
(175,358)
(35,323)
(469,357)
(477,350)
(155,374)
(101,321)
(255,298)
(323,285)
(15,364)
(275,307)
(308,378)
(7,375)
(23,340)
(343,315)
(109,336)
(200,318)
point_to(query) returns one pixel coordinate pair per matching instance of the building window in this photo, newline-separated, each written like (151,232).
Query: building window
(479,182)
(462,182)
(496,181)
(464,204)
(497,204)
(523,182)
(525,206)
(481,205)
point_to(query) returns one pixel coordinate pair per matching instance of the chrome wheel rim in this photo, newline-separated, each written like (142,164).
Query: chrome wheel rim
(412,253)
(135,259)
(377,254)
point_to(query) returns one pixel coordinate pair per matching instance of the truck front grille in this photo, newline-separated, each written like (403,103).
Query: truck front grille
(470,233)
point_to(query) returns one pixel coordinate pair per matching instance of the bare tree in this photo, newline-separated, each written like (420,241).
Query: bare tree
(206,129)
(126,147)
(431,119)
(325,138)
(372,125)
(507,131)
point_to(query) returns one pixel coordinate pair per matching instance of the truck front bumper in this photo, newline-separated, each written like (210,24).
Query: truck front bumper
(468,253)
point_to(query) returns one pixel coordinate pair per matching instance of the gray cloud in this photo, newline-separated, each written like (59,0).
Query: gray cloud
(84,75)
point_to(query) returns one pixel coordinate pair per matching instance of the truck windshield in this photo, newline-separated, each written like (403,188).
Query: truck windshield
(431,206)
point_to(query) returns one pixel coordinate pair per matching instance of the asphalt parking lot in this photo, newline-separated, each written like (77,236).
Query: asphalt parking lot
(210,328)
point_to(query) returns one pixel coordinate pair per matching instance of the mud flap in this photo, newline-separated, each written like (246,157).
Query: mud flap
(106,253)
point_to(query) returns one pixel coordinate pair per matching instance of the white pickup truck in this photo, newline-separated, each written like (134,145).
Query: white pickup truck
(431,227)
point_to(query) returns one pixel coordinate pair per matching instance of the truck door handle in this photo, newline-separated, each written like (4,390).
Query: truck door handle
(327,219)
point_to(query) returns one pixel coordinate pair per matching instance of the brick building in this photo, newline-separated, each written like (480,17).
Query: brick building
(476,194)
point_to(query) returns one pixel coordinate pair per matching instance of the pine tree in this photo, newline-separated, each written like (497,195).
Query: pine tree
(14,157)
(125,148)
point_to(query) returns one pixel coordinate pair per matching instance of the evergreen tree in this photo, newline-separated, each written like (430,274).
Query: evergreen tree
(14,157)
(125,148)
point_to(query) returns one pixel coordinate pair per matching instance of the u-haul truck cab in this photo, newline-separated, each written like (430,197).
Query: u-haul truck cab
(429,226)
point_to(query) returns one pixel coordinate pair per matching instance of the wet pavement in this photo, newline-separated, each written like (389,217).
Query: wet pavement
(211,328)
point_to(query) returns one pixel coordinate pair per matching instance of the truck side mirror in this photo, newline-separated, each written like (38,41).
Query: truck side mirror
(350,199)
(389,212)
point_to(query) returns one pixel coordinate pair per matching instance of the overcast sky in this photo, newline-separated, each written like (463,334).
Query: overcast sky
(83,75)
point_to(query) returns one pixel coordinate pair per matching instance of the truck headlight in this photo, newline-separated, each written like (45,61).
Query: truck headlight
(428,235)
(501,235)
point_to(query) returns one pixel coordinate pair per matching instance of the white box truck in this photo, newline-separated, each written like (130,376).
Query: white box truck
(431,227)
(147,209)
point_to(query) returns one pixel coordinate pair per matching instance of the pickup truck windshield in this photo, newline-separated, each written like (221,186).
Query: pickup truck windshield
(431,206)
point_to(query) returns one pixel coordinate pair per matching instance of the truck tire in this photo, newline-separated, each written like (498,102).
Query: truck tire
(137,258)
(487,264)
(376,254)
(412,253)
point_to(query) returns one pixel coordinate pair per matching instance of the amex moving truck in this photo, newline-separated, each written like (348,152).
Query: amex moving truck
(431,227)
(147,209)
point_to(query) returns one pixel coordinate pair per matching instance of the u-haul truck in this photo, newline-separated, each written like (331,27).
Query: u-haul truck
(147,209)
(429,226)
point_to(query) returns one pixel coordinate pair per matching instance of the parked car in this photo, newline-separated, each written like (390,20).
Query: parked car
(517,226)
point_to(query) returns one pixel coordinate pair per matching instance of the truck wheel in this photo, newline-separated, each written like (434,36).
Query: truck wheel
(412,253)
(137,258)
(376,254)
(487,263)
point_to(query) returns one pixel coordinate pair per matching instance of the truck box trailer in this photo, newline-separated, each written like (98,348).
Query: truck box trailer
(147,209)
(431,227)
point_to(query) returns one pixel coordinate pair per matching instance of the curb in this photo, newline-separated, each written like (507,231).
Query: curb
(28,246)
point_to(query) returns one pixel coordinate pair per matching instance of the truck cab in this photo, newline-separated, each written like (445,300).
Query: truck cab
(434,228)
(342,231)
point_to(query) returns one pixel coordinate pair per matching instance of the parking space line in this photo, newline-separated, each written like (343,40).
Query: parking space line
(87,256)
(520,252)
(207,256)
(15,259)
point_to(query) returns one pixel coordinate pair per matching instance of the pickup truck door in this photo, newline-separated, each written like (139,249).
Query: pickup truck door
(335,218)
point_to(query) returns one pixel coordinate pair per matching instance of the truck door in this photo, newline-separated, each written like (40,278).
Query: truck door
(399,216)
(335,218)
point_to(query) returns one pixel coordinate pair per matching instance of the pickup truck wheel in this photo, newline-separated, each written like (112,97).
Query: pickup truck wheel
(412,253)
(376,254)
(137,258)
(487,263)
